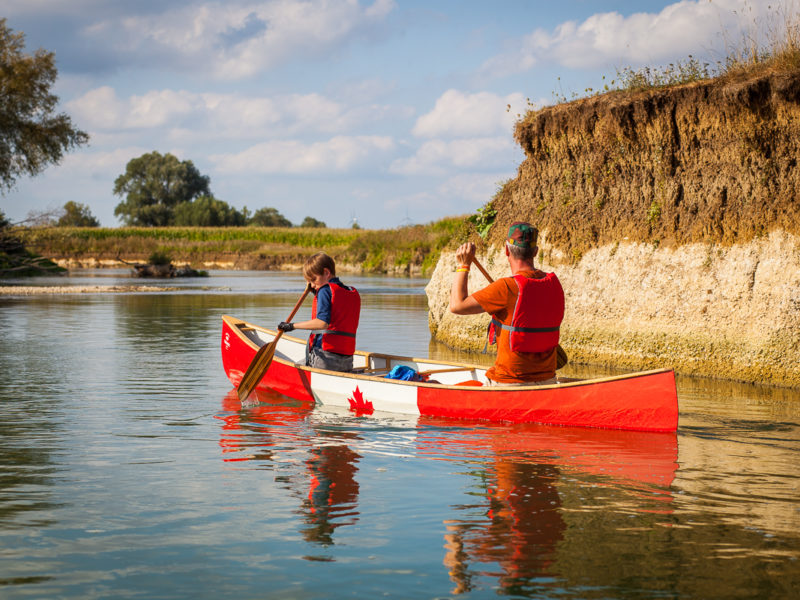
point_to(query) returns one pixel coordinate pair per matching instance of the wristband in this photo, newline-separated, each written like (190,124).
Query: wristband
(462,270)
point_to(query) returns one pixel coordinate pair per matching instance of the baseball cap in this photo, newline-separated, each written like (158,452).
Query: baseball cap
(522,234)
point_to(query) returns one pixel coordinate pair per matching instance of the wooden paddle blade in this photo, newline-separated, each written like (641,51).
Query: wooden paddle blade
(263,358)
(561,357)
(258,366)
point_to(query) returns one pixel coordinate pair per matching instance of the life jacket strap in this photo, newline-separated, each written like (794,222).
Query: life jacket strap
(524,329)
(333,332)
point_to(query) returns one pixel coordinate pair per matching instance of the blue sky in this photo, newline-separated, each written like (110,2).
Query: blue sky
(387,111)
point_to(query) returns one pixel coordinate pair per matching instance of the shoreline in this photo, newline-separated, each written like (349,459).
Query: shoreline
(44,290)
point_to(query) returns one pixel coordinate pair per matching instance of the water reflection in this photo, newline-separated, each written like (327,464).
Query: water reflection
(333,489)
(525,494)
(275,428)
(527,485)
(519,532)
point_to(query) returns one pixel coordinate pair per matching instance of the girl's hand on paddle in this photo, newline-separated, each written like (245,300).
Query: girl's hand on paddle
(284,326)
(465,253)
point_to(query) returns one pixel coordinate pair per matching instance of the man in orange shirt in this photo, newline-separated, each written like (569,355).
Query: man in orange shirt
(527,309)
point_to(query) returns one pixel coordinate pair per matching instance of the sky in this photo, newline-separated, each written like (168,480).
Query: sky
(382,112)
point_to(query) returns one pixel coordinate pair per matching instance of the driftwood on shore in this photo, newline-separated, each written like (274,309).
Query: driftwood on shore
(162,271)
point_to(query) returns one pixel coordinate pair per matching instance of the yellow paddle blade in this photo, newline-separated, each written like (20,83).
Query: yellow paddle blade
(258,366)
(263,358)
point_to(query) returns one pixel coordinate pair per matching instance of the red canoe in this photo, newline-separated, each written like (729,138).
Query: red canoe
(644,401)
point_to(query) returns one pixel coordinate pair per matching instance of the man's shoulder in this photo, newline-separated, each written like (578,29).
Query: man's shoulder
(497,291)
(534,274)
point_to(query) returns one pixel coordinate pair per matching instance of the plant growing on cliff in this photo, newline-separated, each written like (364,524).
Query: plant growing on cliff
(653,213)
(483,219)
(677,73)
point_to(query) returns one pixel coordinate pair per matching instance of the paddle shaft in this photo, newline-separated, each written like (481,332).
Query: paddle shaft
(561,355)
(263,358)
(482,270)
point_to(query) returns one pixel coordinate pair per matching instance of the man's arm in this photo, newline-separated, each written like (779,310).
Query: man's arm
(461,303)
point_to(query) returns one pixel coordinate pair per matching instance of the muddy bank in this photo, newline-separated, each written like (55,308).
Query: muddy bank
(245,264)
(709,162)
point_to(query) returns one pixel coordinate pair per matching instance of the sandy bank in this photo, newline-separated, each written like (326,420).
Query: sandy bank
(33,290)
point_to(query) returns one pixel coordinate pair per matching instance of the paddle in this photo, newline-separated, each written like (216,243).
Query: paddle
(263,358)
(561,356)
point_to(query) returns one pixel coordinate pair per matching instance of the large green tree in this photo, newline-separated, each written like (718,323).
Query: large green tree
(312,222)
(153,185)
(32,135)
(76,214)
(269,217)
(208,211)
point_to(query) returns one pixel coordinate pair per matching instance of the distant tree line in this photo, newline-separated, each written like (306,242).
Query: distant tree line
(160,190)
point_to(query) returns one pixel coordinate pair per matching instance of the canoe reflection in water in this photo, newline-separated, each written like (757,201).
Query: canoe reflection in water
(331,500)
(520,531)
(530,488)
(519,519)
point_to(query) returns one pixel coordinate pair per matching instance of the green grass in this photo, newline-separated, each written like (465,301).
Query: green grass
(404,248)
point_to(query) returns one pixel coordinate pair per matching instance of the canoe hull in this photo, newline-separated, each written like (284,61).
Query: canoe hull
(645,401)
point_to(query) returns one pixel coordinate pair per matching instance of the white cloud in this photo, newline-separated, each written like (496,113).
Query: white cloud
(438,157)
(680,29)
(188,115)
(341,154)
(458,195)
(457,114)
(233,40)
(102,164)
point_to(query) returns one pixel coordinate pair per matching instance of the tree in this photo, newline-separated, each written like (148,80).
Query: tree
(153,185)
(208,211)
(42,218)
(269,217)
(77,215)
(312,222)
(32,136)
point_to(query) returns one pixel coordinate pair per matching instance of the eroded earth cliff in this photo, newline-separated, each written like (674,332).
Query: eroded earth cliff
(672,218)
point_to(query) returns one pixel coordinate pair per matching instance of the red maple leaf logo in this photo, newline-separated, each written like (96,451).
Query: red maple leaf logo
(359,405)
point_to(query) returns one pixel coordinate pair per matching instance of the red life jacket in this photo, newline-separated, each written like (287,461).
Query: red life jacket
(537,315)
(340,336)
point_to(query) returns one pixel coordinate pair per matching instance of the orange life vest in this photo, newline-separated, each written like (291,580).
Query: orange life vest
(340,336)
(537,315)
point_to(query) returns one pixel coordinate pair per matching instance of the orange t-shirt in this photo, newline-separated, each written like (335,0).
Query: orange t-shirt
(499,299)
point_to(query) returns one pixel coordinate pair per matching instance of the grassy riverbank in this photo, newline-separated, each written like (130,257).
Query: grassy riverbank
(410,249)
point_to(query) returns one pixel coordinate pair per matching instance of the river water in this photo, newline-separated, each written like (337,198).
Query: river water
(130,470)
